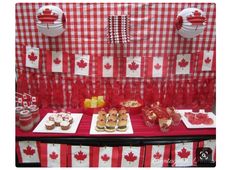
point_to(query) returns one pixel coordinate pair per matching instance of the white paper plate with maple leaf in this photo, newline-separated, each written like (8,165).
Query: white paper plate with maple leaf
(199,119)
(73,127)
(129,129)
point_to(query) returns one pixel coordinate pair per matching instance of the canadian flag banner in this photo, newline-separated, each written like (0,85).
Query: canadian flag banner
(134,66)
(206,61)
(105,157)
(28,151)
(157,66)
(82,65)
(132,156)
(157,155)
(209,144)
(57,61)
(107,66)
(53,155)
(79,156)
(183,154)
(32,57)
(184,64)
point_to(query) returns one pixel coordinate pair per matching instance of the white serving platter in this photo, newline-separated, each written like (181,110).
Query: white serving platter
(73,127)
(191,126)
(94,132)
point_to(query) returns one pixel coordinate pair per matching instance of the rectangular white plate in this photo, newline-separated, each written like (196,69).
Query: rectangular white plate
(73,127)
(94,132)
(189,125)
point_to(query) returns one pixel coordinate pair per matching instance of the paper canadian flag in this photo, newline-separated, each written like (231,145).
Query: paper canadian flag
(32,57)
(28,151)
(53,155)
(82,65)
(184,64)
(206,61)
(79,156)
(56,61)
(134,66)
(105,157)
(132,156)
(157,155)
(157,66)
(183,154)
(107,66)
(210,144)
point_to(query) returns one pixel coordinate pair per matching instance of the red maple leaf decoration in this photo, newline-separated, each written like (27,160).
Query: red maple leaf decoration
(105,157)
(207,60)
(80,156)
(57,61)
(29,151)
(81,64)
(53,155)
(184,153)
(183,63)
(157,155)
(130,157)
(32,56)
(47,16)
(157,66)
(133,66)
(107,66)
(196,18)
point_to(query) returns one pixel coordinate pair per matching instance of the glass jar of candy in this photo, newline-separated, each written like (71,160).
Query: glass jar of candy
(18,109)
(26,120)
(35,113)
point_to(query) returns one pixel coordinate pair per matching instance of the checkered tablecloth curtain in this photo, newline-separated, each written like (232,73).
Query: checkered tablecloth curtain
(152,34)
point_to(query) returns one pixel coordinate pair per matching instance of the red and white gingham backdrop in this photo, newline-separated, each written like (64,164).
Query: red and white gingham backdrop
(152,33)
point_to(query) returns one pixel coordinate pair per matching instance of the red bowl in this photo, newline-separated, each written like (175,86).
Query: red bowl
(133,110)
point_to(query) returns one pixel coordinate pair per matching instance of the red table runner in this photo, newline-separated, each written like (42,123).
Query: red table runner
(139,128)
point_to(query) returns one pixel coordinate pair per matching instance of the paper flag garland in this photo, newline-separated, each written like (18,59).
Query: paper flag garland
(107,66)
(134,66)
(32,57)
(157,66)
(28,151)
(53,155)
(82,65)
(206,61)
(183,154)
(57,61)
(51,20)
(105,157)
(157,155)
(210,144)
(190,22)
(184,64)
(132,156)
(79,156)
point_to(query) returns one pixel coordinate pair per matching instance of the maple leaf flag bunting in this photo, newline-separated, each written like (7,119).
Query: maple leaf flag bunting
(206,61)
(32,57)
(184,64)
(157,66)
(132,156)
(56,61)
(79,156)
(133,66)
(107,66)
(29,151)
(82,65)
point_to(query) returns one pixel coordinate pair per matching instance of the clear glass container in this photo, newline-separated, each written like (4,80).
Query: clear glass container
(35,113)
(26,120)
(18,109)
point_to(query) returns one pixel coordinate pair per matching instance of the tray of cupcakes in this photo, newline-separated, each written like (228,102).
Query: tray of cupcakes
(112,122)
(59,123)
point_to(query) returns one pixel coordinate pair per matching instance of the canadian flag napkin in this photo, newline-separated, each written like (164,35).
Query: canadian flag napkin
(184,64)
(132,156)
(157,66)
(210,144)
(107,66)
(79,156)
(32,57)
(133,66)
(157,155)
(206,61)
(28,151)
(118,29)
(53,155)
(105,157)
(82,65)
(56,61)
(183,154)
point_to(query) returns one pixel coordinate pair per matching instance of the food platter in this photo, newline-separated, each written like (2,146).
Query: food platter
(189,125)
